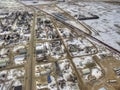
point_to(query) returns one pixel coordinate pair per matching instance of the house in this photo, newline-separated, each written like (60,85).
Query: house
(19,59)
(86,71)
(22,51)
(4,62)
(41,58)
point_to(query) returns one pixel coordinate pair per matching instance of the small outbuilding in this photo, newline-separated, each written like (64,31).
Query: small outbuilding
(86,71)
(18,87)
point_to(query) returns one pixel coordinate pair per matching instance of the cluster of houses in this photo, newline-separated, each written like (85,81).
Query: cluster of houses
(16,55)
(56,75)
(53,71)
(54,49)
(10,79)
(117,71)
(45,29)
(42,52)
(15,28)
(88,68)
(67,33)
(4,57)
(67,78)
(76,45)
(45,72)
(20,54)
(51,45)
(57,49)
(79,46)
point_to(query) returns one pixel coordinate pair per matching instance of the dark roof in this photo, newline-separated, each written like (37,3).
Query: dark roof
(18,88)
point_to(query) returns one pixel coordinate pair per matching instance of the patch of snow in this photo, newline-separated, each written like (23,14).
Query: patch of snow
(32,2)
(108,17)
(96,72)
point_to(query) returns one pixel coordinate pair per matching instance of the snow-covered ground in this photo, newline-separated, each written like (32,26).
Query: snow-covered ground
(20,59)
(81,63)
(10,5)
(108,24)
(36,2)
(18,48)
(10,79)
(79,47)
(96,72)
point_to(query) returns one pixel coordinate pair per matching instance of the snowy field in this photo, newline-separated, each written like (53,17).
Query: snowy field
(108,24)
(36,2)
